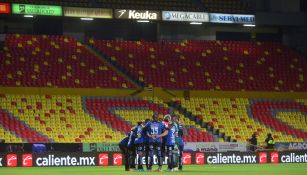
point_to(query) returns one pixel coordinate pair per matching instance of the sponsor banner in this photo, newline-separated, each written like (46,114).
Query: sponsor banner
(185,16)
(5,8)
(103,159)
(11,160)
(27,160)
(137,14)
(199,158)
(187,158)
(117,159)
(87,12)
(100,147)
(232,18)
(231,158)
(214,147)
(2,160)
(290,157)
(281,146)
(274,157)
(30,9)
(62,159)
(263,157)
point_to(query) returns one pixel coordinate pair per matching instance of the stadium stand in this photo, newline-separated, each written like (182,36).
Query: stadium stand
(122,114)
(59,118)
(54,61)
(241,117)
(193,131)
(294,119)
(262,110)
(74,119)
(242,66)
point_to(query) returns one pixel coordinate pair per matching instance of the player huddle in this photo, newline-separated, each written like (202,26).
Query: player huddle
(149,138)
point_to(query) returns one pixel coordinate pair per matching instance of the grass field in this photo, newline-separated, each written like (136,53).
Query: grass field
(267,169)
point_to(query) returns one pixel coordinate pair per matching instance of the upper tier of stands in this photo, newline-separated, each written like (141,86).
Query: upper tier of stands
(221,6)
(60,61)
(54,61)
(210,65)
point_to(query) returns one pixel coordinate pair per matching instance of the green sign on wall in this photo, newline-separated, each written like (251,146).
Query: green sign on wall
(29,9)
(100,147)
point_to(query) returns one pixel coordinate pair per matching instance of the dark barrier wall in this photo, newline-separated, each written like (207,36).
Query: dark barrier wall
(234,36)
(249,36)
(108,159)
(47,25)
(50,147)
(121,29)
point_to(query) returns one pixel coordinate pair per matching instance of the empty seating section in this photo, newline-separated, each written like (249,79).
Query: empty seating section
(8,136)
(210,65)
(123,113)
(60,118)
(54,61)
(74,119)
(71,119)
(229,6)
(193,132)
(264,111)
(102,109)
(294,119)
(235,118)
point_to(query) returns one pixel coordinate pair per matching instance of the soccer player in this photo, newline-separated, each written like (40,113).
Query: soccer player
(146,144)
(131,149)
(154,129)
(139,143)
(166,120)
(123,146)
(179,139)
(170,134)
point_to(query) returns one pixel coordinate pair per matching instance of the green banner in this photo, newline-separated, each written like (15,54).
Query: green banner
(30,9)
(100,147)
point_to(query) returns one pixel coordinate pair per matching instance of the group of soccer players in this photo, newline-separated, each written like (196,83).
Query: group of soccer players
(149,138)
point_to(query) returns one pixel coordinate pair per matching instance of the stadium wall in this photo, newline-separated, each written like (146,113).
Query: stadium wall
(125,29)
(161,93)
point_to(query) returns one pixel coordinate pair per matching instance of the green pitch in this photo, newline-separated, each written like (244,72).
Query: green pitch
(280,169)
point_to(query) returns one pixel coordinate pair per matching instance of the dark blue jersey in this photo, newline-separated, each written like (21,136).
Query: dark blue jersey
(131,139)
(180,135)
(146,138)
(171,135)
(139,135)
(154,128)
(124,142)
